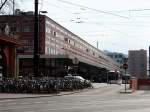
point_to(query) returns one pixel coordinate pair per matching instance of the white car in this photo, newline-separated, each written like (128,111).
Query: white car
(75,78)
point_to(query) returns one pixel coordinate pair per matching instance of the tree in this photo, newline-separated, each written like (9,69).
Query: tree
(6,6)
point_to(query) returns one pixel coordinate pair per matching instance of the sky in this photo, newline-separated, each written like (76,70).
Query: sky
(117,25)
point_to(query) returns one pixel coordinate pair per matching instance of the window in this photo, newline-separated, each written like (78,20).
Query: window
(100,57)
(48,30)
(13,29)
(87,50)
(66,39)
(116,56)
(118,61)
(27,29)
(120,56)
(54,33)
(93,53)
(20,50)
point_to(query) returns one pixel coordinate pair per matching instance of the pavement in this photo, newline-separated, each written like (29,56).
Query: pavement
(4,96)
(104,98)
(127,90)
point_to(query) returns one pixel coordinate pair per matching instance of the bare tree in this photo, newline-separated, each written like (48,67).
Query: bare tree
(7,6)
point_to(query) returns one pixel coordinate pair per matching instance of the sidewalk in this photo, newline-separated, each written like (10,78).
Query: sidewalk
(99,85)
(127,91)
(5,96)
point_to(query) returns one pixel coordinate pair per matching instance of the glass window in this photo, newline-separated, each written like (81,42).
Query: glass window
(66,39)
(54,33)
(27,29)
(87,50)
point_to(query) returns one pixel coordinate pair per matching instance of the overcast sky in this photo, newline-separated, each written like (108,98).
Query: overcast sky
(118,25)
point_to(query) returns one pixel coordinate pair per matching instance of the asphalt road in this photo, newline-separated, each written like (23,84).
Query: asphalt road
(103,99)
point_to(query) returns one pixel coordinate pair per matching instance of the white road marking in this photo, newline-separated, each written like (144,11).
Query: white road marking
(24,103)
(29,111)
(38,102)
(5,101)
(12,103)
(1,104)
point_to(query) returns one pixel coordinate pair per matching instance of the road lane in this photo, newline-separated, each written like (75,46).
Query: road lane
(103,99)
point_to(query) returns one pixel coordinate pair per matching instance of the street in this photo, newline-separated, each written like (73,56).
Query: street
(106,98)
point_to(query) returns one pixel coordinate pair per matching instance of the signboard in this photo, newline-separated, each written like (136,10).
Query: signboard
(75,61)
(125,66)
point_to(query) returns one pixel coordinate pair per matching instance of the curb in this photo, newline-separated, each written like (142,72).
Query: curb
(50,95)
(126,92)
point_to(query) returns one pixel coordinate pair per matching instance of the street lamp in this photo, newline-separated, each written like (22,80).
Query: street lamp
(36,41)
(125,66)
(42,12)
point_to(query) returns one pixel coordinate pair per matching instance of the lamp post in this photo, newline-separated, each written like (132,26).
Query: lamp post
(42,12)
(36,41)
(125,66)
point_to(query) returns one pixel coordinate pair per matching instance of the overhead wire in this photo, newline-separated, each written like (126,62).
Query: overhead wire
(130,10)
(100,11)
(57,6)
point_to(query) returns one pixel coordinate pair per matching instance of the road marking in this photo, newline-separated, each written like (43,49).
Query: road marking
(6,101)
(29,111)
(24,103)
(12,103)
(38,102)
(106,106)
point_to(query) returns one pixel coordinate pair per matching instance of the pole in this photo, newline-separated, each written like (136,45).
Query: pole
(13,7)
(36,41)
(107,77)
(149,61)
(125,82)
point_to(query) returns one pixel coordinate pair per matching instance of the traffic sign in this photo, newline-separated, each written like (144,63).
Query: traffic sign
(75,61)
(125,66)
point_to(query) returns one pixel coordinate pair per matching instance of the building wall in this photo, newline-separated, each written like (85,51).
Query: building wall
(55,41)
(60,41)
(137,61)
(118,57)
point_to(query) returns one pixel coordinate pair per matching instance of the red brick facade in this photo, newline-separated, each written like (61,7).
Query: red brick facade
(8,54)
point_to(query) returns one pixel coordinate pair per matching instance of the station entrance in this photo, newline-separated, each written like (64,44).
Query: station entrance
(8,56)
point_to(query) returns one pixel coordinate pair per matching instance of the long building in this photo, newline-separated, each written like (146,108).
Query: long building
(60,49)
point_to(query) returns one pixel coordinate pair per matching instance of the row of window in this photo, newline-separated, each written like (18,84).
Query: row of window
(55,31)
(79,44)
(14,29)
